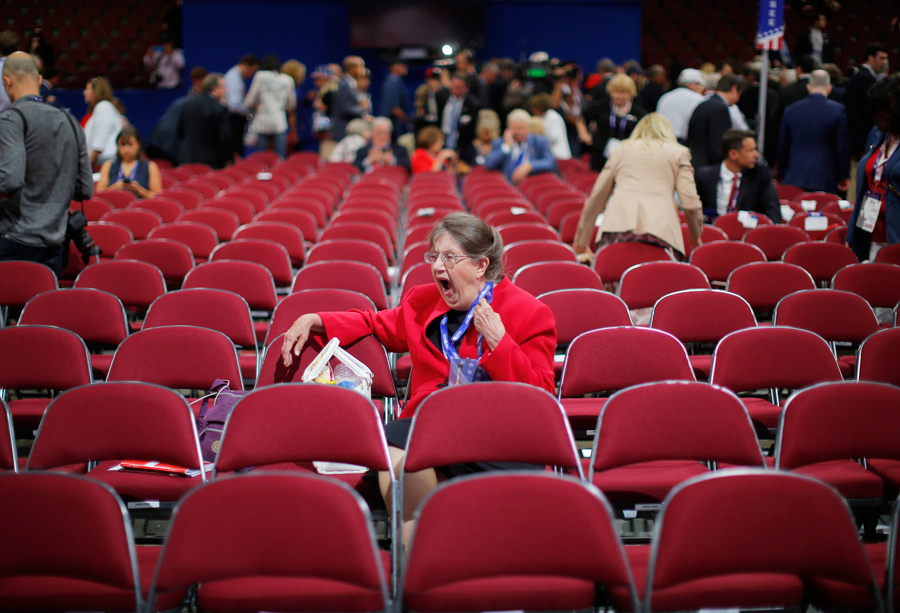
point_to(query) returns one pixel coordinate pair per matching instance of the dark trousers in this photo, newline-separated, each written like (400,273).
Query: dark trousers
(238,125)
(48,256)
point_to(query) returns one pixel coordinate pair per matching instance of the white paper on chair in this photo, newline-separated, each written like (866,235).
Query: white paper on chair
(845,205)
(746,219)
(518,210)
(264,176)
(815,223)
(808,205)
(787,213)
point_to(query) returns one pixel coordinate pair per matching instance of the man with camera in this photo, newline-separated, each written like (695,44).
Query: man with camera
(43,165)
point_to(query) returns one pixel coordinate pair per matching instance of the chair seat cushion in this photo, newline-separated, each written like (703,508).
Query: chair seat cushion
(702,365)
(100,363)
(247,361)
(27,412)
(30,593)
(287,594)
(763,412)
(745,590)
(647,481)
(889,471)
(849,478)
(504,593)
(132,485)
(583,412)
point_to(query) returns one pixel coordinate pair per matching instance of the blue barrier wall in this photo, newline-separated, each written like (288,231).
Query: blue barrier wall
(218,32)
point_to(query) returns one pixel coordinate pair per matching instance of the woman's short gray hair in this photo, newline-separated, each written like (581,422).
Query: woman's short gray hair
(476,238)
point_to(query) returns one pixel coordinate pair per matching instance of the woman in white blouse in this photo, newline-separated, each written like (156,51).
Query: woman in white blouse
(272,95)
(103,121)
(554,125)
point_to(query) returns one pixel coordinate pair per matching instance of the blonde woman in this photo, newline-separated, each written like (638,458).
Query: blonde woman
(487,128)
(634,192)
(606,123)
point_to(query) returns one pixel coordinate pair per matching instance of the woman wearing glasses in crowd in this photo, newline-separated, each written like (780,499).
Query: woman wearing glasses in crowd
(472,324)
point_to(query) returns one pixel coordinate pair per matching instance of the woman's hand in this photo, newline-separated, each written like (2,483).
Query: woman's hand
(488,323)
(295,338)
(583,254)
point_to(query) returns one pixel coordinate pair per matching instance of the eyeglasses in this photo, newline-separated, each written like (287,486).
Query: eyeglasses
(448,258)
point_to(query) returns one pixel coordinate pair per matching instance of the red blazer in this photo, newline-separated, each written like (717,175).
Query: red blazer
(525,354)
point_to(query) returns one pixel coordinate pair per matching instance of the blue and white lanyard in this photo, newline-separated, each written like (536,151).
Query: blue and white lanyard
(449,344)
(131,175)
(622,124)
(523,151)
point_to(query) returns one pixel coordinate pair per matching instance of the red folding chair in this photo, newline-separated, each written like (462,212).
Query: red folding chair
(613,260)
(139,221)
(347,249)
(642,285)
(542,277)
(775,240)
(270,254)
(354,276)
(285,234)
(735,229)
(199,237)
(174,259)
(223,222)
(517,255)
(820,259)
(718,260)
(763,284)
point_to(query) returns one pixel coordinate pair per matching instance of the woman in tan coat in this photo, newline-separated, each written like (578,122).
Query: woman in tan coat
(634,192)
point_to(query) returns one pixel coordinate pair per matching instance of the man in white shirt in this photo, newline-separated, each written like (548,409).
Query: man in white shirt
(679,104)
(235,91)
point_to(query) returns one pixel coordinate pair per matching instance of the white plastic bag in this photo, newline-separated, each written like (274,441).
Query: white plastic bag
(363,376)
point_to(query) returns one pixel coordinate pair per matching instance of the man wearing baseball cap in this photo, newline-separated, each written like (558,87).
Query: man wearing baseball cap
(679,104)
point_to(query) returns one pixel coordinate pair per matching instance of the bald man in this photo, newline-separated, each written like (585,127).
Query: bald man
(43,164)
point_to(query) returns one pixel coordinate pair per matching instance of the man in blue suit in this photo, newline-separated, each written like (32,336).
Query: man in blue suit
(814,147)
(520,154)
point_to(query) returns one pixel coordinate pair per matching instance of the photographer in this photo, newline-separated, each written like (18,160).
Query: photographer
(43,164)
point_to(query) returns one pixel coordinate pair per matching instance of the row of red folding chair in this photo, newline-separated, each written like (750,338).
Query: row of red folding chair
(452,565)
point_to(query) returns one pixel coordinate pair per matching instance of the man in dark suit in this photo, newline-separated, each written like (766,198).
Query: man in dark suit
(458,114)
(380,152)
(740,182)
(815,41)
(205,127)
(859,116)
(710,120)
(346,105)
(798,90)
(654,89)
(813,150)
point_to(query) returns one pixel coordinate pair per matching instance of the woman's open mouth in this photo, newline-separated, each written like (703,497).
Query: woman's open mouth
(445,284)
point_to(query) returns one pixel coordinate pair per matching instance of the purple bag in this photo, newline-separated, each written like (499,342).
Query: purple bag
(214,411)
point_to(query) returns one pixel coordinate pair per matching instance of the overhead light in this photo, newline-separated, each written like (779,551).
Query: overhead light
(447,50)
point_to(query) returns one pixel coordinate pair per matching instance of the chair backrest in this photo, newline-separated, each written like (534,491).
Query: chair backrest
(773,357)
(517,255)
(286,235)
(354,276)
(834,315)
(93,208)
(300,219)
(820,259)
(364,231)
(579,310)
(116,421)
(542,277)
(237,205)
(517,232)
(731,224)
(136,284)
(613,260)
(249,280)
(302,422)
(821,199)
(42,558)
(168,209)
(139,221)
(877,283)
(215,309)
(355,250)
(379,218)
(644,284)
(674,420)
(418,274)
(615,358)
(709,531)
(306,205)
(836,421)
(499,218)
(474,547)
(174,259)
(879,357)
(718,260)
(42,357)
(255,196)
(23,280)
(306,301)
(312,533)
(119,198)
(9,460)
(109,236)
(270,254)
(709,234)
(889,254)
(223,222)
(179,357)
(199,237)
(763,284)
(94,315)
(461,424)
(775,240)
(701,316)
